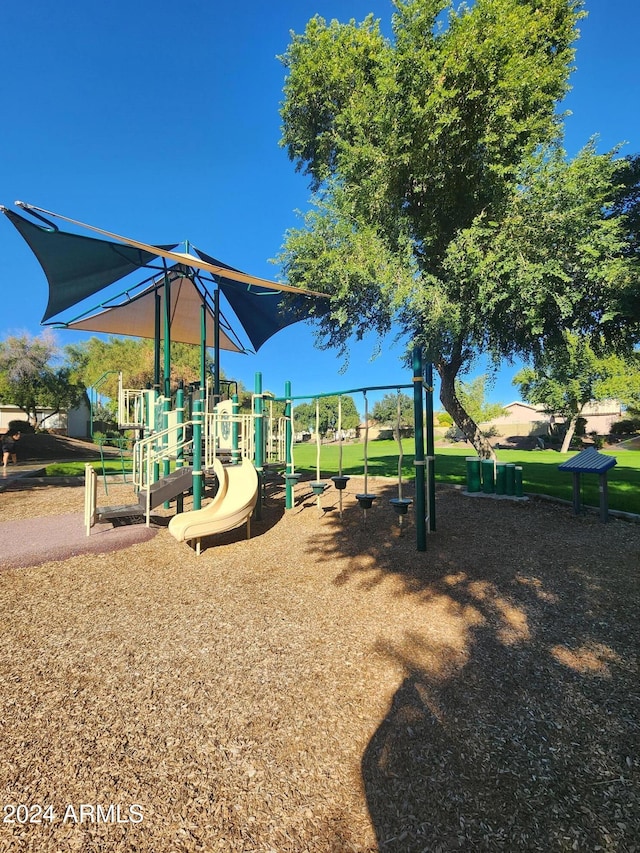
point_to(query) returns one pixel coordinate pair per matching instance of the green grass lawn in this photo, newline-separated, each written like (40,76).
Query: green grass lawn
(76,469)
(539,469)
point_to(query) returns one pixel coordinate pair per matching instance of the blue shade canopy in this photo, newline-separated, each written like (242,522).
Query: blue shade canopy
(135,316)
(261,311)
(76,266)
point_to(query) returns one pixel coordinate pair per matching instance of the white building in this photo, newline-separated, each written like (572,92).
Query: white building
(73,423)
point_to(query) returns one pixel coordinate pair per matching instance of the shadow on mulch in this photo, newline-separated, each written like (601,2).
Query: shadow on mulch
(521,730)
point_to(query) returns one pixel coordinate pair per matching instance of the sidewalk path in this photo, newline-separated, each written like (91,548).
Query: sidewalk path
(30,542)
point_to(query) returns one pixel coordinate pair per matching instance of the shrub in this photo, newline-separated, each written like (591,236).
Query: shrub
(629,426)
(581,426)
(20,426)
(454,433)
(598,440)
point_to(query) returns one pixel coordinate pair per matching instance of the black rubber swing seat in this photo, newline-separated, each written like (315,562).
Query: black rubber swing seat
(401,505)
(366,501)
(340,482)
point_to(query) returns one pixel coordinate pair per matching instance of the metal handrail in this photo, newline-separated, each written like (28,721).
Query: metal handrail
(150,451)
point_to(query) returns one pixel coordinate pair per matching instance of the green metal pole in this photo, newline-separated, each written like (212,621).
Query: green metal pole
(166,385)
(421,524)
(203,350)
(197,454)
(180,438)
(431,453)
(259,440)
(216,345)
(288,456)
(156,342)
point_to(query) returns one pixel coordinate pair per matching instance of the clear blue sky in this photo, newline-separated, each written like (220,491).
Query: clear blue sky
(159,120)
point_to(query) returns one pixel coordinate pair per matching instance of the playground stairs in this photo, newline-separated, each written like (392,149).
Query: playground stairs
(165,489)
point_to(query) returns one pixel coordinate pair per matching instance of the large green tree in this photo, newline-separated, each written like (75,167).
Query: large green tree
(422,151)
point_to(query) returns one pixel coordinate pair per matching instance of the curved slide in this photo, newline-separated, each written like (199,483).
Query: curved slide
(231,507)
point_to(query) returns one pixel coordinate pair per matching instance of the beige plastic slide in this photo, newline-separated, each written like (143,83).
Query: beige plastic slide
(230,508)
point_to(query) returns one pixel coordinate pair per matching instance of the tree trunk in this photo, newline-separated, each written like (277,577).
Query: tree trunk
(454,407)
(571,428)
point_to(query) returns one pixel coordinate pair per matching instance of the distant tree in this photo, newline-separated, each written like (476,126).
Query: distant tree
(565,379)
(91,359)
(472,395)
(30,381)
(60,392)
(385,411)
(443,419)
(305,414)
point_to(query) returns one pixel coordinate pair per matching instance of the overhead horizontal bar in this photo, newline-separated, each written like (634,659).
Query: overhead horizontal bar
(343,393)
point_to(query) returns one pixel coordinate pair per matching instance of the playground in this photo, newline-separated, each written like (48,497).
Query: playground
(323,685)
(271,659)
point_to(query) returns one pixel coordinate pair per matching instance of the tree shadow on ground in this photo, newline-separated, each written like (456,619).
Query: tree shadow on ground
(517,722)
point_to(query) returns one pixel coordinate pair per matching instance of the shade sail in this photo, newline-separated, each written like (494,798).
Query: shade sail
(261,311)
(136,316)
(76,266)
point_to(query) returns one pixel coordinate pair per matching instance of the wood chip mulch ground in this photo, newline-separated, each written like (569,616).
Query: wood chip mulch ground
(324,686)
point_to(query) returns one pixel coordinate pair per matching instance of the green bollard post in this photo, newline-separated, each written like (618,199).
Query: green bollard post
(518,491)
(473,474)
(501,478)
(511,478)
(488,475)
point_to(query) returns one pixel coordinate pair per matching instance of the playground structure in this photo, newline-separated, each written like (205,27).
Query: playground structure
(425,508)
(198,435)
(183,436)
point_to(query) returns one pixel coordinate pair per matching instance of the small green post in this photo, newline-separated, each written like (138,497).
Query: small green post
(511,478)
(501,478)
(473,474)
(488,476)
(197,454)
(517,477)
